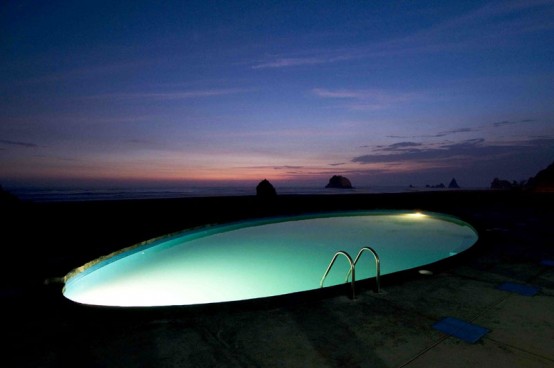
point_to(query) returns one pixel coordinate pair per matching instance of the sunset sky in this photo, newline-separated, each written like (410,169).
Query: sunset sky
(383,92)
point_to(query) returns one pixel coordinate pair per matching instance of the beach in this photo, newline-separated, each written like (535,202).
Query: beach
(45,241)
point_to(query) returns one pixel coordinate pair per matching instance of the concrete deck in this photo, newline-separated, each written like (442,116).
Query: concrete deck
(391,329)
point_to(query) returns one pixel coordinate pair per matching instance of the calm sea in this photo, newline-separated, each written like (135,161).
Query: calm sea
(120,193)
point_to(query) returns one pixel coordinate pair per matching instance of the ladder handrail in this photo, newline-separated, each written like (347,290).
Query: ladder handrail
(351,271)
(377,265)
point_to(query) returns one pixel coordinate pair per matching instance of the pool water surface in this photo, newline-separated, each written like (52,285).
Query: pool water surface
(263,258)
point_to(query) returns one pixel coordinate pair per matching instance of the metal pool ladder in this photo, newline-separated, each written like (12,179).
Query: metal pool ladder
(352,269)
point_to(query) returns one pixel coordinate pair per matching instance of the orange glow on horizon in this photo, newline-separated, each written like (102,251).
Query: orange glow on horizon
(230,169)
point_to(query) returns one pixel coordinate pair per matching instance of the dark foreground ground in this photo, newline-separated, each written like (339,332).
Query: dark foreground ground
(42,242)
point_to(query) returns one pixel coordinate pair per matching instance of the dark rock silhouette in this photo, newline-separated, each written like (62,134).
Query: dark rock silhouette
(453,184)
(543,181)
(340,182)
(7,199)
(265,189)
(500,184)
(438,186)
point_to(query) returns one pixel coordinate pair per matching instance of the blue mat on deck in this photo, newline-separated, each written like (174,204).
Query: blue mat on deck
(547,262)
(520,289)
(461,329)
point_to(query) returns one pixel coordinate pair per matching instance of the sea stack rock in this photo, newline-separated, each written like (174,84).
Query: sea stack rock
(265,189)
(453,184)
(543,181)
(499,184)
(339,182)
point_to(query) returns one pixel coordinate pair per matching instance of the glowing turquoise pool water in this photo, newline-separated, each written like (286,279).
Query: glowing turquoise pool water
(265,258)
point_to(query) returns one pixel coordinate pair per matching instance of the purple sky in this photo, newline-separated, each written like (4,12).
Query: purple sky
(383,92)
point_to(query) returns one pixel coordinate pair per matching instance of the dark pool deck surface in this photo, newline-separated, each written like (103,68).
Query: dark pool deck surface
(494,307)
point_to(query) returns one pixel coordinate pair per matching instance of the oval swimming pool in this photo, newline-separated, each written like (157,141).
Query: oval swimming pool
(263,258)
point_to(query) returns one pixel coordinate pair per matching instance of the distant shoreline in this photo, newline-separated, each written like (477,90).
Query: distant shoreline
(52,194)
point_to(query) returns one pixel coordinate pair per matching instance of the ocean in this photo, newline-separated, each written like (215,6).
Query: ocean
(50,194)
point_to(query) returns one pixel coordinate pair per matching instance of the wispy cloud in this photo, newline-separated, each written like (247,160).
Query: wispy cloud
(494,22)
(503,13)
(18,143)
(445,133)
(454,131)
(440,134)
(287,167)
(366,99)
(470,150)
(285,62)
(313,57)
(511,122)
(499,22)
(178,95)
(400,146)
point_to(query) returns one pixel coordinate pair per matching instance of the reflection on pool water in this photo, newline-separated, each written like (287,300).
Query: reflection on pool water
(265,258)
